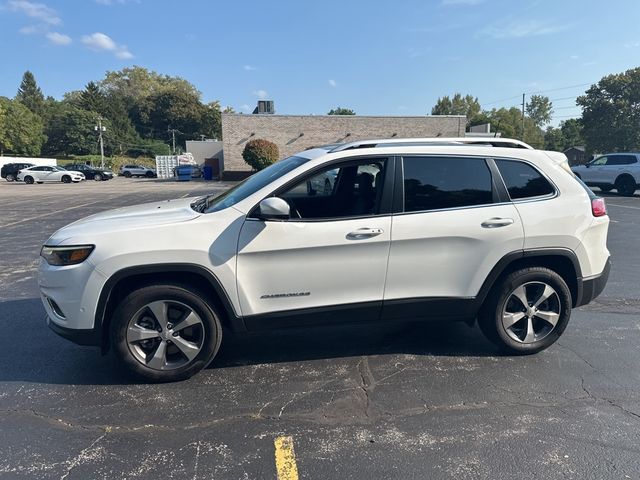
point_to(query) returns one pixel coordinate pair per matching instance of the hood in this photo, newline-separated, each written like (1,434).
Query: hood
(129,218)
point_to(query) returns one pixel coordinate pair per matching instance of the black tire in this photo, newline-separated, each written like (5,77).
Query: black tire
(490,318)
(129,309)
(149,175)
(28,180)
(66,179)
(127,174)
(97,177)
(626,185)
(10,177)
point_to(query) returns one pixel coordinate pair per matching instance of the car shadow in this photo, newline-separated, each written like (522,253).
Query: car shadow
(32,353)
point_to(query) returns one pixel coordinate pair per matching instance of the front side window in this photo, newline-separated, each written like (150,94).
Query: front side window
(600,161)
(433,183)
(350,190)
(251,185)
(522,180)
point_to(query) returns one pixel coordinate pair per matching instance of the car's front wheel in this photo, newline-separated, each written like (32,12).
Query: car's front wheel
(149,174)
(527,311)
(97,177)
(66,179)
(165,333)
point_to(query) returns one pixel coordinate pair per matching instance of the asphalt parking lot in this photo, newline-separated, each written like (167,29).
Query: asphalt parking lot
(400,401)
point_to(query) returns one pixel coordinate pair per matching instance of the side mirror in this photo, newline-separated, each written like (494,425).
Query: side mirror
(274,208)
(587,165)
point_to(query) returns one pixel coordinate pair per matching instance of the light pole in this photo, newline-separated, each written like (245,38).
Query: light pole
(99,128)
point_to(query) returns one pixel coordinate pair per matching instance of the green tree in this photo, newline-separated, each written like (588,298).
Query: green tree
(458,105)
(30,95)
(22,130)
(508,122)
(260,153)
(341,111)
(92,98)
(611,113)
(539,109)
(228,109)
(70,131)
(553,139)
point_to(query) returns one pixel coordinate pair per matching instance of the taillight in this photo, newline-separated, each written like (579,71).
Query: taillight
(598,207)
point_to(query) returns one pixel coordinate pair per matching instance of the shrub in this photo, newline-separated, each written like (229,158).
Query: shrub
(260,153)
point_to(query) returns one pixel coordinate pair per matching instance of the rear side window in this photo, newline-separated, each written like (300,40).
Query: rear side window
(432,183)
(522,180)
(622,160)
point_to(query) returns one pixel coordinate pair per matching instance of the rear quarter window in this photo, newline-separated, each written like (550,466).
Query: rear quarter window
(522,180)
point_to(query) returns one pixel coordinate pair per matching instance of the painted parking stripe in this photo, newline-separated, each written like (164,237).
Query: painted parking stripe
(285,459)
(621,206)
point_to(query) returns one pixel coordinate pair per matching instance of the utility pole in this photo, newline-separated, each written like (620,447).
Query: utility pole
(173,136)
(99,128)
(523,104)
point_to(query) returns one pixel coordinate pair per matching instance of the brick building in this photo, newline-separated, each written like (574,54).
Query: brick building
(293,133)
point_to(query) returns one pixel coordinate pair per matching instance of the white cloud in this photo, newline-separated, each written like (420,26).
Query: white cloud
(30,29)
(249,68)
(522,29)
(39,11)
(58,38)
(333,83)
(462,2)
(261,94)
(102,42)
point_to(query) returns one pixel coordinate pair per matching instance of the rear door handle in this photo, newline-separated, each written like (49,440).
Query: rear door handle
(363,233)
(497,222)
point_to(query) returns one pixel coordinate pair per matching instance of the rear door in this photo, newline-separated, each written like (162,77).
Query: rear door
(329,258)
(451,228)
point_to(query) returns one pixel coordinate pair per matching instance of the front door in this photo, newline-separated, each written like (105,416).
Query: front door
(330,256)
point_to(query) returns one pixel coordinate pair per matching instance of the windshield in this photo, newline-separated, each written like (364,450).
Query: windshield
(255,182)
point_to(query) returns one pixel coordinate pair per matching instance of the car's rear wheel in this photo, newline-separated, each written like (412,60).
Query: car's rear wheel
(97,177)
(626,185)
(527,311)
(127,174)
(66,179)
(10,177)
(28,179)
(165,333)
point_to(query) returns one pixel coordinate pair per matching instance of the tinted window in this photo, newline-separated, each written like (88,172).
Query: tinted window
(522,180)
(432,183)
(622,160)
(350,190)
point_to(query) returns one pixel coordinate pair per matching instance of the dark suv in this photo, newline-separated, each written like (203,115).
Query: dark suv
(10,170)
(91,173)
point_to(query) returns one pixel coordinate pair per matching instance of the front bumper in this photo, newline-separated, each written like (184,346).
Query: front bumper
(89,337)
(593,286)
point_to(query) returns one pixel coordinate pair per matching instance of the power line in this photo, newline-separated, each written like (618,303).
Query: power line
(568,87)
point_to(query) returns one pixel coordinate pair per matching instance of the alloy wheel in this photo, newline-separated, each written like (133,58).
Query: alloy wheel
(531,312)
(165,335)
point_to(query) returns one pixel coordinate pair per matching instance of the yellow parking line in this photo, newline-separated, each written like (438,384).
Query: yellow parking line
(286,459)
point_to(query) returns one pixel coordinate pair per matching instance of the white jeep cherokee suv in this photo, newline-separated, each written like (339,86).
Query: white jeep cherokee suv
(446,229)
(614,170)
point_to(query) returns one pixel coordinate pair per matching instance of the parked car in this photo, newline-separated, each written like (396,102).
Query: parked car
(137,171)
(613,170)
(10,170)
(91,173)
(42,174)
(429,229)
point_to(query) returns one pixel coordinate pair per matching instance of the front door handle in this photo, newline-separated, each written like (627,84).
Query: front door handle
(363,233)
(497,222)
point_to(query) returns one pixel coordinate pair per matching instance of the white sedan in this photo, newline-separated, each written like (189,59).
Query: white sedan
(45,173)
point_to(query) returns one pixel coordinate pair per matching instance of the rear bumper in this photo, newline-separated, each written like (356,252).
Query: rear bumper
(593,286)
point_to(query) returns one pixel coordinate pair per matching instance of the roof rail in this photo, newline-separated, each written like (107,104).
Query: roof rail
(452,141)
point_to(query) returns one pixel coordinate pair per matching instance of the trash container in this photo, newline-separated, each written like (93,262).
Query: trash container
(207,172)
(184,173)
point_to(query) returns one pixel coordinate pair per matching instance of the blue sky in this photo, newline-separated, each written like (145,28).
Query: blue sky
(377,57)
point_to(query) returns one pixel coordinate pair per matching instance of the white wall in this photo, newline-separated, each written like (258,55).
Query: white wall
(204,150)
(35,161)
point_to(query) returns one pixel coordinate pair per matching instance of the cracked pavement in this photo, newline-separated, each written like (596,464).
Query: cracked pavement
(393,401)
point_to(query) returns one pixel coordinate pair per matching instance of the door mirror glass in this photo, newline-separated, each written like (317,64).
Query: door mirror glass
(274,208)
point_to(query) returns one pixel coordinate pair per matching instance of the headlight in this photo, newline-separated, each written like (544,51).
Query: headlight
(61,256)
